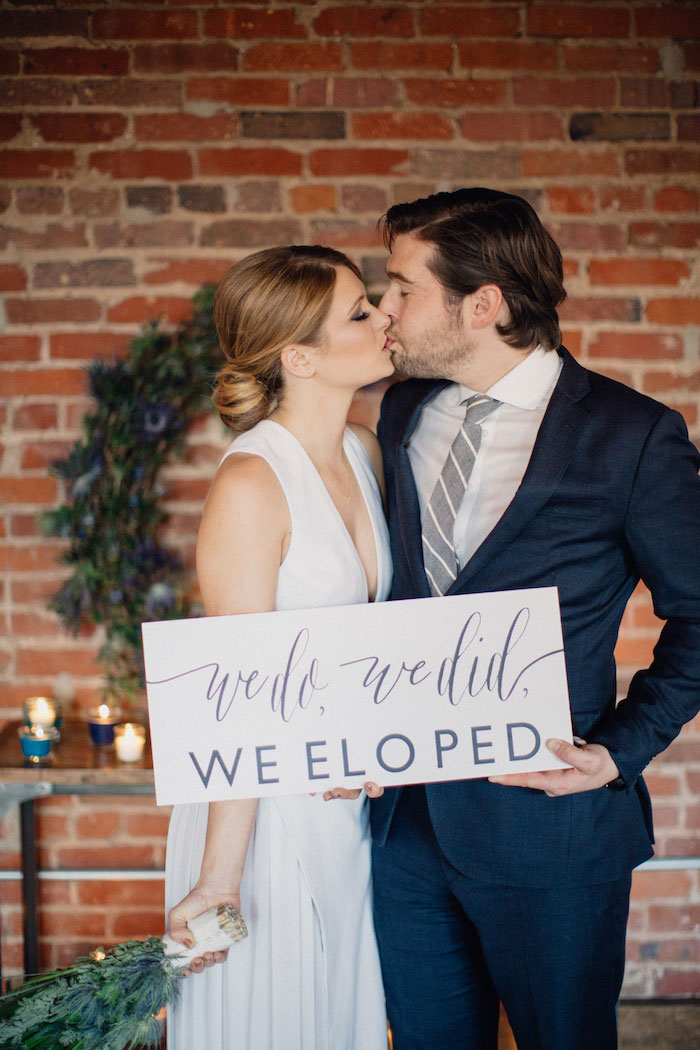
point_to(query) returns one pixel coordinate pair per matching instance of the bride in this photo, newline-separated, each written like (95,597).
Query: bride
(294,519)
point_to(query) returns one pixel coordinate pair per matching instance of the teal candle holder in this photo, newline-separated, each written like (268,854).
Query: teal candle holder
(36,742)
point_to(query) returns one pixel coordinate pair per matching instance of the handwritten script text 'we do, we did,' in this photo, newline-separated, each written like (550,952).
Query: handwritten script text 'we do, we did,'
(402,692)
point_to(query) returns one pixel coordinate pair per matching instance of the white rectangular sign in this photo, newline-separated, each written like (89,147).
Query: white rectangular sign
(401,692)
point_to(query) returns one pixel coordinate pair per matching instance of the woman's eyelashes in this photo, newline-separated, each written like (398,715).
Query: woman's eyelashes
(362,316)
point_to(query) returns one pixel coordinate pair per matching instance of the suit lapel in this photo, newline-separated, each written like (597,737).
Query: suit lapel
(408,508)
(557,437)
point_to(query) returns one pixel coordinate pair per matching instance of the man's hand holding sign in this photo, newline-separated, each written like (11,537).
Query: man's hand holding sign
(590,767)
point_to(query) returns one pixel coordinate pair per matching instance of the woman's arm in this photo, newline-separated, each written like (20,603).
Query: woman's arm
(229,828)
(242,541)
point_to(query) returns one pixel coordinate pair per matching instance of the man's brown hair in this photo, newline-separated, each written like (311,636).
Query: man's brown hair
(483,236)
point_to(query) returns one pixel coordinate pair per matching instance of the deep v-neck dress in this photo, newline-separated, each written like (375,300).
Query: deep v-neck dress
(307,977)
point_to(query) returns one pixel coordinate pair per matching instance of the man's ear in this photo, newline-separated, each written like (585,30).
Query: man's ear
(298,360)
(483,306)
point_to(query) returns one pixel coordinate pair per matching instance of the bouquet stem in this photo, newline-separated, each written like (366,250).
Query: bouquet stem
(110,999)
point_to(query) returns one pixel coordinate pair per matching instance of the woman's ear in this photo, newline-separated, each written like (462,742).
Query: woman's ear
(483,306)
(297,360)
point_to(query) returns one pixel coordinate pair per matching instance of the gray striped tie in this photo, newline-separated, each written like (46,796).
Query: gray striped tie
(439,554)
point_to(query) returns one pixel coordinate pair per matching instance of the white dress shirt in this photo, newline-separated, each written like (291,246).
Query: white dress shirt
(508,437)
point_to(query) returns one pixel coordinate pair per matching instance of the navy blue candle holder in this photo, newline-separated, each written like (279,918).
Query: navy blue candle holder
(101,727)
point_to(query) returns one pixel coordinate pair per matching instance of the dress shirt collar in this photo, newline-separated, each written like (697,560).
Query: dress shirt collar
(525,385)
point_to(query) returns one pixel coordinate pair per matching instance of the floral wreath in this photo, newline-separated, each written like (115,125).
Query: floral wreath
(112,516)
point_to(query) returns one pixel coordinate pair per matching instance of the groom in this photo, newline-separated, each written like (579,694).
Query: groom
(510,466)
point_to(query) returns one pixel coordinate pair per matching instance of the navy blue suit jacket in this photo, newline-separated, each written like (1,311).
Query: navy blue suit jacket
(611,495)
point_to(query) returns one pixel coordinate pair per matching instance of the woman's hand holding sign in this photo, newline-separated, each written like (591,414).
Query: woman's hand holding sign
(372,790)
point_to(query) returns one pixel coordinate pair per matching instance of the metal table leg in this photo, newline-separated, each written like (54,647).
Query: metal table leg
(24,794)
(29,886)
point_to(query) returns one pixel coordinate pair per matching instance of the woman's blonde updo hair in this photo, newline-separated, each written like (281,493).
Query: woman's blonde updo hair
(265,302)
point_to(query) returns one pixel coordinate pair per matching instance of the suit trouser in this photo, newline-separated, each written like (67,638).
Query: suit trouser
(451,947)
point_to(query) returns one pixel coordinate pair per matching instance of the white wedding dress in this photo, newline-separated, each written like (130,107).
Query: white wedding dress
(307,977)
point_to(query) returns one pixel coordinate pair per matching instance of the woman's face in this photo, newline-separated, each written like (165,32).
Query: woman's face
(354,352)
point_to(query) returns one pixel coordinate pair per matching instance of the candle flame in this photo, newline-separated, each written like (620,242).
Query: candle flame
(98,955)
(42,707)
(129,731)
(104,711)
(39,731)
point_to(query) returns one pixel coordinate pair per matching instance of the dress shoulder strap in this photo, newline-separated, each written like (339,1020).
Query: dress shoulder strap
(283,453)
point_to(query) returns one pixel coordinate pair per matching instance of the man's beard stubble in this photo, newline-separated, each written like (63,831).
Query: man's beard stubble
(439,356)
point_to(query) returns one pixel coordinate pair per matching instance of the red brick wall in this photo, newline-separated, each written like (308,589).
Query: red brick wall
(145,146)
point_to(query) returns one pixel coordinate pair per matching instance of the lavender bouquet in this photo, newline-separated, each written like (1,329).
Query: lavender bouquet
(109,1000)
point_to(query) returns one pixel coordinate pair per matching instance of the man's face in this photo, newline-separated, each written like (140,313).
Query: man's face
(427,336)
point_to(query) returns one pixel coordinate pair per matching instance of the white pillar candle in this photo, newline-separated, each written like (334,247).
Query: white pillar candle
(129,740)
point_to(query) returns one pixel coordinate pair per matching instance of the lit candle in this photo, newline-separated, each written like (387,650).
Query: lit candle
(101,722)
(40,711)
(36,742)
(129,740)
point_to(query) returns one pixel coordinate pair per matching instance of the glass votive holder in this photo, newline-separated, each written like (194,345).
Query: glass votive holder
(42,711)
(36,742)
(101,722)
(130,741)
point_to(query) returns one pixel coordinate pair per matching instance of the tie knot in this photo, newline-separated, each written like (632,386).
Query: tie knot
(478,407)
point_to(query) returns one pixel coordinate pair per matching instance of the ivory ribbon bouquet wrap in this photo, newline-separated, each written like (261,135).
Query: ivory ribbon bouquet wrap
(398,692)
